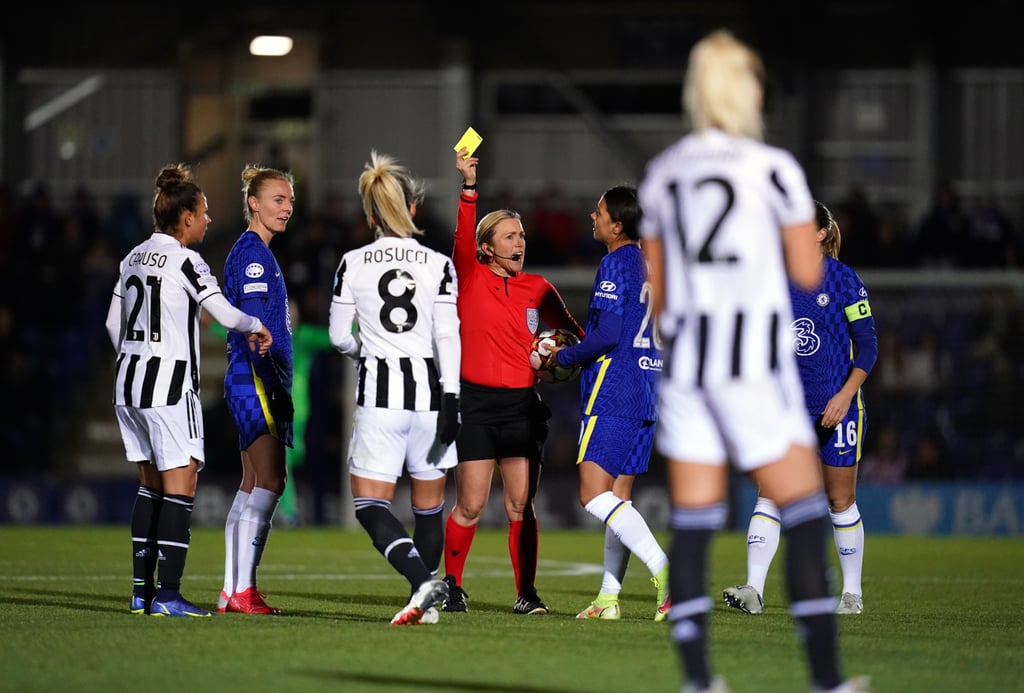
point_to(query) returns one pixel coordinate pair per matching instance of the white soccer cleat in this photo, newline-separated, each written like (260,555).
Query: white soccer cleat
(426,596)
(850,603)
(743,597)
(717,686)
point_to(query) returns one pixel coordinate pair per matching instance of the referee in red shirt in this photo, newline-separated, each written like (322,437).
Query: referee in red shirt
(504,421)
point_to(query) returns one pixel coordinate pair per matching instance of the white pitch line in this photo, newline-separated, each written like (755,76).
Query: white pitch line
(547,568)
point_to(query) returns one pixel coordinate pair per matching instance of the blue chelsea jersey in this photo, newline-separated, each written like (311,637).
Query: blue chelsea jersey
(623,382)
(253,282)
(821,331)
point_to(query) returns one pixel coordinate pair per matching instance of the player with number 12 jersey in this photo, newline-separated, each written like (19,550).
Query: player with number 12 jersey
(727,308)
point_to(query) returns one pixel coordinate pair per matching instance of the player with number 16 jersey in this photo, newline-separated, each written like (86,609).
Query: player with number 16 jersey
(834,331)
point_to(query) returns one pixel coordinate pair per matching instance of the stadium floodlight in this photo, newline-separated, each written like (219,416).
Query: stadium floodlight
(271,45)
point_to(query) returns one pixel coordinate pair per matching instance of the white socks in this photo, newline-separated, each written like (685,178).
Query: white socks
(631,529)
(231,542)
(848,531)
(253,530)
(616,560)
(762,542)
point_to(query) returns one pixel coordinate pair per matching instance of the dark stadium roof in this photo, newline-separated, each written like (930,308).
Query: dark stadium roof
(560,34)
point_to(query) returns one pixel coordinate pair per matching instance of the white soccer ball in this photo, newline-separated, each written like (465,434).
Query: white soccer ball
(541,354)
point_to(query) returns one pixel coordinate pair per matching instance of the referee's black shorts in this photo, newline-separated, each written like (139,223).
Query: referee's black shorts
(501,422)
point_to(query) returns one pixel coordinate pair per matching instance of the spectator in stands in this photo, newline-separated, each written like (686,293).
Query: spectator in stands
(8,225)
(942,231)
(860,228)
(890,372)
(307,256)
(37,227)
(886,463)
(126,226)
(553,232)
(36,224)
(926,366)
(990,238)
(23,431)
(83,209)
(891,249)
(930,460)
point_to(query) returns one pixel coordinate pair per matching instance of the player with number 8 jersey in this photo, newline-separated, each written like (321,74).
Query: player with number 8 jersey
(402,297)
(392,284)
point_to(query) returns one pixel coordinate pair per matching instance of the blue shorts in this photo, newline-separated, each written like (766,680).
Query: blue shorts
(253,419)
(842,445)
(618,445)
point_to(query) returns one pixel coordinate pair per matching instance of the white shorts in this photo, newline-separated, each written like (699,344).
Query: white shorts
(385,442)
(749,423)
(166,436)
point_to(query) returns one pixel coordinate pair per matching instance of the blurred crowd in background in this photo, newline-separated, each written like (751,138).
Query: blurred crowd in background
(940,400)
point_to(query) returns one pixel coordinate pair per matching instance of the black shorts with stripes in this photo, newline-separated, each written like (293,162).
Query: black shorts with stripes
(501,422)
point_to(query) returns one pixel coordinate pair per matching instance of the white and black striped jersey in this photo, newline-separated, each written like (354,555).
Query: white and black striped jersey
(158,296)
(402,296)
(718,204)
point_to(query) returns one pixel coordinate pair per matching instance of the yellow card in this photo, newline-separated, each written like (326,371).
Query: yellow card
(470,139)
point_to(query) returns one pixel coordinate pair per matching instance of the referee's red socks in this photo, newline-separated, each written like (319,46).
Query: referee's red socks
(457,541)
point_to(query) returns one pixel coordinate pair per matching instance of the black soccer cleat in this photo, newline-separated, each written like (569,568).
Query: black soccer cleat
(456,596)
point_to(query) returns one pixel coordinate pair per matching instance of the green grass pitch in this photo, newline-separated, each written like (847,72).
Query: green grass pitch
(941,614)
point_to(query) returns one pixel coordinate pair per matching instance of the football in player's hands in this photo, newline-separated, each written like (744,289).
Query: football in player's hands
(543,360)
